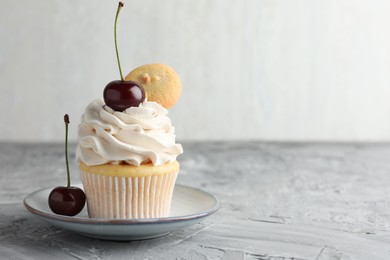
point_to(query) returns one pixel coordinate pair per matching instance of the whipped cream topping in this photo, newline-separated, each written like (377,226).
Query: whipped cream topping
(135,136)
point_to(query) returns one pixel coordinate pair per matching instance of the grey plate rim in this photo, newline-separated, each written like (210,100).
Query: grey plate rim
(108,221)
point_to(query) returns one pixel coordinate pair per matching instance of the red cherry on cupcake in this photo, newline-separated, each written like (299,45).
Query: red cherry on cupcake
(121,94)
(66,200)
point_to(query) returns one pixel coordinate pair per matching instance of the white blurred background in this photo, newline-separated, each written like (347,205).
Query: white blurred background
(254,69)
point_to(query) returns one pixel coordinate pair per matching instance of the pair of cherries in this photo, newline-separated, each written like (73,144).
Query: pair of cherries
(118,95)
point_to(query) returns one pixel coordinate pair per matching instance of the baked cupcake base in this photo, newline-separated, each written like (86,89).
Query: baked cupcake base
(129,192)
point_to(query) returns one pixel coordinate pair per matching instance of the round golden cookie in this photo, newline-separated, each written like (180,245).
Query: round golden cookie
(160,82)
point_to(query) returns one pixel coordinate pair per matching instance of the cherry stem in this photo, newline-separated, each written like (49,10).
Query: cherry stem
(120,5)
(66,120)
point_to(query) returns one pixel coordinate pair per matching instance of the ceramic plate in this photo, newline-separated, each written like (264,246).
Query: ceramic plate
(189,206)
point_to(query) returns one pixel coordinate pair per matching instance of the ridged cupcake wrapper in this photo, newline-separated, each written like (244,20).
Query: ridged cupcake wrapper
(128,197)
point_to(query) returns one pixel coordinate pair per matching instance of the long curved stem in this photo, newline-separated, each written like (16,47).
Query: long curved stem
(120,5)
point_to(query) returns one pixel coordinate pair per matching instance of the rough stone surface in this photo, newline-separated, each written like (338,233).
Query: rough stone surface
(280,201)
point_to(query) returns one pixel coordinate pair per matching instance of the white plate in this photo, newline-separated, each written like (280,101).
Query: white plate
(189,206)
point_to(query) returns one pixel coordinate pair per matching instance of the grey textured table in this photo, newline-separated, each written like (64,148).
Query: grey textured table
(280,201)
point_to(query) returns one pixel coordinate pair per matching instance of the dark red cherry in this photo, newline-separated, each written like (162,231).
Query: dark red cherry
(67,201)
(121,94)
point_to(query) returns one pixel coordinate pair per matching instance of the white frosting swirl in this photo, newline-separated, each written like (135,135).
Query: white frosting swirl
(135,136)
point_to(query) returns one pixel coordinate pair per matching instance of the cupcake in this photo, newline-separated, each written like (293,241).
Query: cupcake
(127,159)
(127,150)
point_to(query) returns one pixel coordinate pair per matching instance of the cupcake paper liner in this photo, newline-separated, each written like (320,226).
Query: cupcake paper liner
(128,197)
